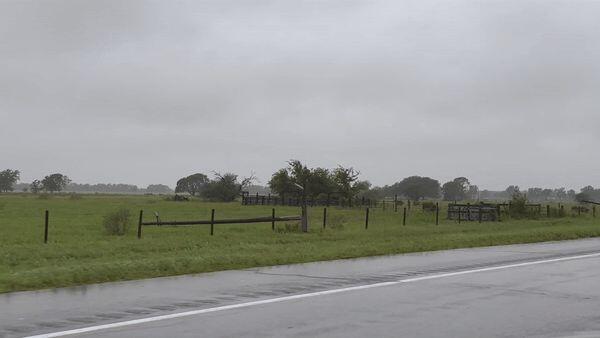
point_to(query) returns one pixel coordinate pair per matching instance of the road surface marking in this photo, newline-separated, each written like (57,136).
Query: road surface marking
(301,296)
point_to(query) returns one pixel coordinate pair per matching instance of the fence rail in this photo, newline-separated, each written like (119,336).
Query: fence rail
(227,221)
(296,201)
(269,219)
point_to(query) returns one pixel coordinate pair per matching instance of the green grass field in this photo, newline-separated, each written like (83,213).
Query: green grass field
(80,252)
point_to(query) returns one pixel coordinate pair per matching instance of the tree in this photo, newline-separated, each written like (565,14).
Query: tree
(473,192)
(347,183)
(55,182)
(8,178)
(313,181)
(417,187)
(193,184)
(512,190)
(226,187)
(281,182)
(158,189)
(36,186)
(456,190)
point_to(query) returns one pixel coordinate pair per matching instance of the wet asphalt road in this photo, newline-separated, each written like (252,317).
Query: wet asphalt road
(554,299)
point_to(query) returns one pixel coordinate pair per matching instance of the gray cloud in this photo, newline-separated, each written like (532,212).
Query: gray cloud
(148,91)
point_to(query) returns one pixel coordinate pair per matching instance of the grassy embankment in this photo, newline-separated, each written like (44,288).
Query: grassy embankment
(80,252)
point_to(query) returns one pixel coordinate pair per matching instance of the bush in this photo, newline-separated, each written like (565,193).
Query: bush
(117,222)
(428,206)
(557,212)
(518,208)
(336,221)
(177,198)
(289,228)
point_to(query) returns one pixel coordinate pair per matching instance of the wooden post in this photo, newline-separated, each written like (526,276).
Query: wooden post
(47,217)
(367,219)
(437,213)
(212,222)
(383,205)
(139,234)
(499,213)
(304,221)
(468,211)
(273,219)
(404,217)
(324,217)
(547,210)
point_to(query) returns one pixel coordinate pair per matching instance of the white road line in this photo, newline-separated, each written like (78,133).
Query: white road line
(301,296)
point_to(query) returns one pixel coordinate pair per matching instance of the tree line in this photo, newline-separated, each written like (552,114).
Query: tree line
(312,183)
(58,182)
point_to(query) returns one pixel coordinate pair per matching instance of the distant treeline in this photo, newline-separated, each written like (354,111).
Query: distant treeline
(296,179)
(105,188)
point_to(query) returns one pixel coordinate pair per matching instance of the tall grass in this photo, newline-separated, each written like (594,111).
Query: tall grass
(79,251)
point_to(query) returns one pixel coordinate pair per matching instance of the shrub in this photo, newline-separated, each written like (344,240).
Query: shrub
(336,221)
(117,222)
(557,212)
(73,196)
(177,198)
(519,209)
(428,206)
(289,227)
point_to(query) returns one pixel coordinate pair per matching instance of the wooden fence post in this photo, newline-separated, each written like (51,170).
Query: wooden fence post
(140,224)
(212,221)
(273,219)
(404,217)
(324,217)
(468,211)
(367,219)
(47,216)
(437,213)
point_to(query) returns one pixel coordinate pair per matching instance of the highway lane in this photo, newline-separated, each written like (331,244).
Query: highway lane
(530,296)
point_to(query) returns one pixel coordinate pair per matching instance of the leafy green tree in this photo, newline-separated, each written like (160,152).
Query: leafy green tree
(417,187)
(36,186)
(313,181)
(8,178)
(225,187)
(347,182)
(281,182)
(320,182)
(456,190)
(193,184)
(55,182)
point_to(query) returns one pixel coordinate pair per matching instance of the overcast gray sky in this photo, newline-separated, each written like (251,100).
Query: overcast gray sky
(502,92)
